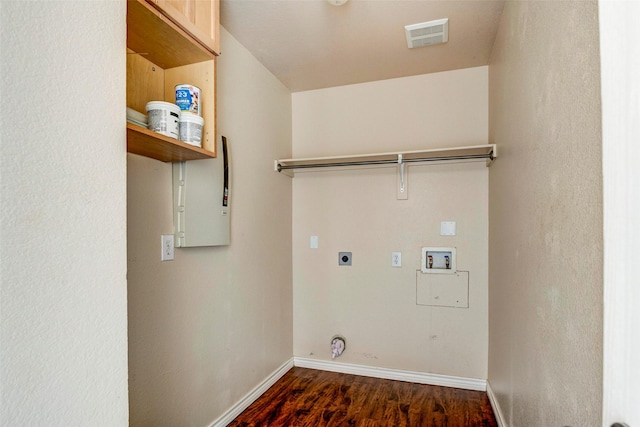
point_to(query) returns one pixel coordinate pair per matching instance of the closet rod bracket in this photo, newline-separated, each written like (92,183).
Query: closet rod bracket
(402,179)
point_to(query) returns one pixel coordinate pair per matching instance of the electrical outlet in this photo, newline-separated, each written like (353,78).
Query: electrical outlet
(396,259)
(167,247)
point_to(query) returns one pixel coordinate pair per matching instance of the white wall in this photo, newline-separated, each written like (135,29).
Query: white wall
(63,359)
(546,273)
(372,304)
(208,327)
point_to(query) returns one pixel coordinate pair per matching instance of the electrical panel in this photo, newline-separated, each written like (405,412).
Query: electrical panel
(201,211)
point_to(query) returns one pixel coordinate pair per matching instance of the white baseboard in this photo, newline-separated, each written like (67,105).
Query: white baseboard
(496,407)
(252,396)
(392,374)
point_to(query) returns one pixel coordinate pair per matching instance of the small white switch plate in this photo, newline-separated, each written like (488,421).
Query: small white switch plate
(396,259)
(167,247)
(448,228)
(313,242)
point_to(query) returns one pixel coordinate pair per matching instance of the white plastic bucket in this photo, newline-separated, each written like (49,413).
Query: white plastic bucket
(188,99)
(191,128)
(163,117)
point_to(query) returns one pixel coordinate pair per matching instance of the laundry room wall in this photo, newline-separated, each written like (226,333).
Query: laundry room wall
(374,305)
(208,327)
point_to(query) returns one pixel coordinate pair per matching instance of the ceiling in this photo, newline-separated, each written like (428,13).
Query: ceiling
(312,44)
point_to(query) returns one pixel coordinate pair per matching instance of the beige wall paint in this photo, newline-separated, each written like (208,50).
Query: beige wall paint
(209,326)
(545,321)
(372,304)
(63,357)
(433,111)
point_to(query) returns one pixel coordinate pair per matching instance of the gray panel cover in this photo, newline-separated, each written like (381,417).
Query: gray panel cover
(199,212)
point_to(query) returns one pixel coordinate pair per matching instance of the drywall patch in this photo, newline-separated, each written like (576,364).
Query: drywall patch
(443,290)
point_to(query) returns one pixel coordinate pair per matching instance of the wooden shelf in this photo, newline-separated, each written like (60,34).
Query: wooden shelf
(161,54)
(477,152)
(151,34)
(157,146)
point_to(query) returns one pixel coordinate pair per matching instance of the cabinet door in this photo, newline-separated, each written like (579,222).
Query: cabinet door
(199,18)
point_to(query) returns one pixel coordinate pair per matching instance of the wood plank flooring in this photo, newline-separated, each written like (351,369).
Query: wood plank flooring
(312,398)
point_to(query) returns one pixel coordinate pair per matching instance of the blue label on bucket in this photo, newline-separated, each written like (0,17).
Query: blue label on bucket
(184,100)
(187,98)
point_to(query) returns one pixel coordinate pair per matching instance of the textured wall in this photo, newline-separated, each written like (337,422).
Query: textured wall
(545,210)
(371,303)
(209,326)
(63,359)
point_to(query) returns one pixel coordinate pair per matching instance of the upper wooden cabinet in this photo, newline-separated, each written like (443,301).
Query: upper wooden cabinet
(199,18)
(160,55)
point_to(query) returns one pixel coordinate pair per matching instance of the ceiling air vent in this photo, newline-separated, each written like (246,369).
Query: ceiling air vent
(427,33)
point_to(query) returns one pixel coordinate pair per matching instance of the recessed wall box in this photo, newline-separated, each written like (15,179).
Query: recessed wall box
(438,260)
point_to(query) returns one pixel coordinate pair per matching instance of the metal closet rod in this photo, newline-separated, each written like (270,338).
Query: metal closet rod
(386,162)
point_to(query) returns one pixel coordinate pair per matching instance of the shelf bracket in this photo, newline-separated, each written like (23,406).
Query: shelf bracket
(402,191)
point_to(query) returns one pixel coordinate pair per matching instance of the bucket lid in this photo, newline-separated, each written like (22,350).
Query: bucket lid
(185,86)
(157,105)
(186,116)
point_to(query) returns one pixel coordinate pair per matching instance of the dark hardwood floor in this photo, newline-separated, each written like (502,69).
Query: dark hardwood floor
(312,398)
